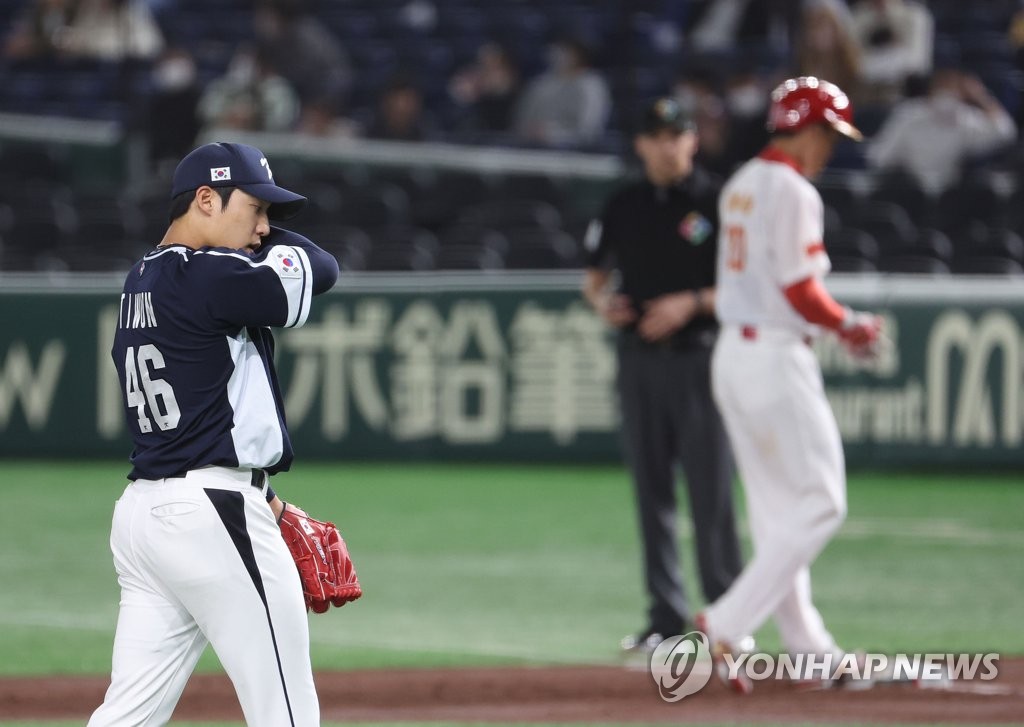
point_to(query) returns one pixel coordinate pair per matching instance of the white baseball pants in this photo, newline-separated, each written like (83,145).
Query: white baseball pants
(200,559)
(768,386)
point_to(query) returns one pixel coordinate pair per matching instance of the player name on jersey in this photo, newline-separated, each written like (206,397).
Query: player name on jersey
(137,311)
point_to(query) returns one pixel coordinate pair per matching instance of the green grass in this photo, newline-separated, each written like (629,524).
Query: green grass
(480,564)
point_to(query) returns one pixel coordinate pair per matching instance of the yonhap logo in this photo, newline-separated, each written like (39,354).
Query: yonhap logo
(681,665)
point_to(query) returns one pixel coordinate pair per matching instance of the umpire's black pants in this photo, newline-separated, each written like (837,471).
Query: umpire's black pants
(669,417)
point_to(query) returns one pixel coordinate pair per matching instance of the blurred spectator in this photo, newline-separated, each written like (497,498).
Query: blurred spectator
(729,24)
(488,88)
(111,30)
(399,115)
(746,103)
(930,138)
(173,118)
(38,30)
(566,105)
(108,30)
(321,119)
(303,49)
(696,90)
(418,15)
(251,95)
(1015,33)
(896,39)
(730,120)
(826,47)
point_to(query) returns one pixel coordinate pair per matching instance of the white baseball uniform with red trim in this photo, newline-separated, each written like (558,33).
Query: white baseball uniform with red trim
(768,386)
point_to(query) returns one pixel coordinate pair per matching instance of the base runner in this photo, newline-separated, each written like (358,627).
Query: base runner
(766,380)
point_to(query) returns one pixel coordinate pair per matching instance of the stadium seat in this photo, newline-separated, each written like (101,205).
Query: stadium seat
(43,229)
(981,239)
(888,222)
(933,243)
(898,187)
(351,258)
(512,214)
(468,257)
(444,201)
(324,201)
(833,223)
(85,259)
(1006,242)
(912,264)
(982,198)
(374,206)
(853,243)
(338,238)
(540,249)
(103,235)
(109,207)
(399,257)
(472,236)
(414,181)
(403,235)
(22,163)
(843,197)
(532,187)
(845,264)
(987,265)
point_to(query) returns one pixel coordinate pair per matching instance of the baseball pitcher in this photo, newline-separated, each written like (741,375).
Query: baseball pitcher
(205,552)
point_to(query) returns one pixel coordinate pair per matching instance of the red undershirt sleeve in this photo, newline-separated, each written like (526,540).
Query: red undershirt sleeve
(813,302)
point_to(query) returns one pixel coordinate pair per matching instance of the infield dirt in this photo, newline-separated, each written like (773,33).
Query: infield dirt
(555,694)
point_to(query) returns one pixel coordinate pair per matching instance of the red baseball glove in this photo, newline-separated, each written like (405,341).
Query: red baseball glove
(325,567)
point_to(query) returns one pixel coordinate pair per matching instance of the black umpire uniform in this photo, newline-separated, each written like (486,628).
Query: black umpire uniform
(660,236)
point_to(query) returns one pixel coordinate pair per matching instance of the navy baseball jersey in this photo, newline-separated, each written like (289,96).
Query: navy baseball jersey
(194,352)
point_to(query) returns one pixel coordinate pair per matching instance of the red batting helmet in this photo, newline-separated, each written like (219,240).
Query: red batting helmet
(803,101)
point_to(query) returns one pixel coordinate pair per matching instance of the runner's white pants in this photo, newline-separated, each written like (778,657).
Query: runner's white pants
(789,453)
(201,560)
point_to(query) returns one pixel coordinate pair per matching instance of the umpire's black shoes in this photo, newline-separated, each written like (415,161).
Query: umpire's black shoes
(646,641)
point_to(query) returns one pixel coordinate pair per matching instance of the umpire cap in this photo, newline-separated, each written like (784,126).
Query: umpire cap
(665,113)
(223,164)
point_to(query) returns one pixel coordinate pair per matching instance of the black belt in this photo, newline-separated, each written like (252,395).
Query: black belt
(259,477)
(690,341)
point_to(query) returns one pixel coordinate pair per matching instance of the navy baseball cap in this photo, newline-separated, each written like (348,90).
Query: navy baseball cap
(223,164)
(665,113)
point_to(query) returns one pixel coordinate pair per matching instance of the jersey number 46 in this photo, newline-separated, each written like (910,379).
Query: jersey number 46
(157,393)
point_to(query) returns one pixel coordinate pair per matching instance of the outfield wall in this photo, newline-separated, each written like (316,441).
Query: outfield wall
(516,367)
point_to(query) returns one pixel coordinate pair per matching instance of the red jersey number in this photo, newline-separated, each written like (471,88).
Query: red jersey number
(736,250)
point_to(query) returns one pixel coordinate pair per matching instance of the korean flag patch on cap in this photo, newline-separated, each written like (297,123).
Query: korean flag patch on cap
(288,263)
(220,174)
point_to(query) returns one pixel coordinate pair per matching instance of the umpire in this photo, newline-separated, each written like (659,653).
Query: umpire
(659,234)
